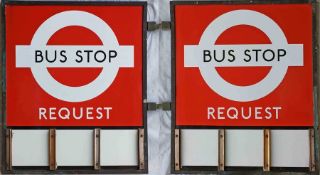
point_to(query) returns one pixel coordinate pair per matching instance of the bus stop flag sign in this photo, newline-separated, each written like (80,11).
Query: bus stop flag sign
(244,65)
(74,65)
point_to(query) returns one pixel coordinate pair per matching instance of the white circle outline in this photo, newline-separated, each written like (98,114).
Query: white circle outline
(55,88)
(259,89)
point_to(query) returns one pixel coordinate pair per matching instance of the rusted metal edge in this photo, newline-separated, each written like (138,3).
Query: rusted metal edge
(9,149)
(312,164)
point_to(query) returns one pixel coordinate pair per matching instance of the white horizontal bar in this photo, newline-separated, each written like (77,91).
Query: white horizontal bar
(237,55)
(74,56)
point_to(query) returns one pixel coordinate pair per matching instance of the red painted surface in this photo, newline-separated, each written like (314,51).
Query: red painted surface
(295,93)
(25,96)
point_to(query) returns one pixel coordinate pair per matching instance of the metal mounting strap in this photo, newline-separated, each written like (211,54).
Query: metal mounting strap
(164,25)
(151,106)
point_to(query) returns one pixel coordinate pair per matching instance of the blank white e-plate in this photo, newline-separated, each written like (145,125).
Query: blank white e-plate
(244,148)
(74,147)
(199,147)
(119,147)
(290,148)
(30,147)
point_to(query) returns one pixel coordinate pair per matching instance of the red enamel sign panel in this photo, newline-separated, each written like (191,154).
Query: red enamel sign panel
(74,65)
(243,65)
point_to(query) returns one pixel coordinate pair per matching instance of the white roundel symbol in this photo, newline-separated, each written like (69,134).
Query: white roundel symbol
(25,56)
(192,55)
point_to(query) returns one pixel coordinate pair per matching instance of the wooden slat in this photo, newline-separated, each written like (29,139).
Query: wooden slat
(96,149)
(221,149)
(177,165)
(312,165)
(266,150)
(9,149)
(141,148)
(52,149)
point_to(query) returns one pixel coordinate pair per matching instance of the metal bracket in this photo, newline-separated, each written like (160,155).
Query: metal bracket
(164,25)
(151,106)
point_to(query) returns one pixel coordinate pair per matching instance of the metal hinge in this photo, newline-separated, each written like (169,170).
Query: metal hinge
(166,106)
(164,25)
